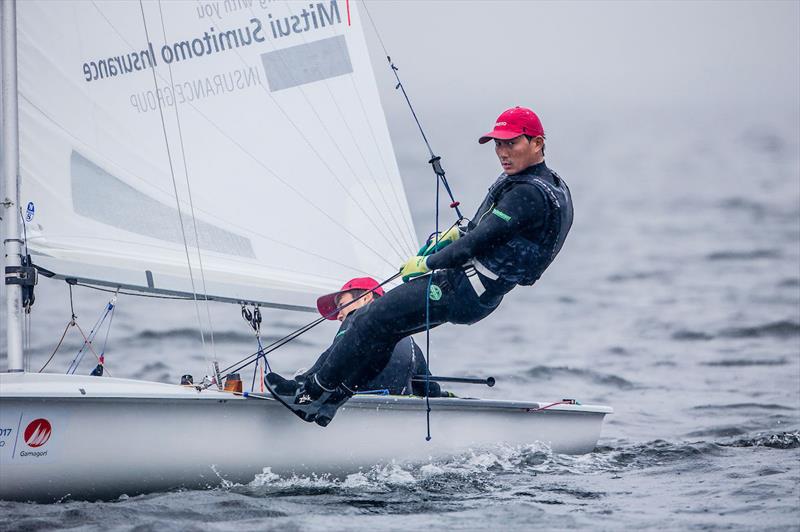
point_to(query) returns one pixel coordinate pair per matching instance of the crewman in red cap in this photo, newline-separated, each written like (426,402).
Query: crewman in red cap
(457,277)
(407,359)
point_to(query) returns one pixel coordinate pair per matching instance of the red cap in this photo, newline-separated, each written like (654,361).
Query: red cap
(326,305)
(513,123)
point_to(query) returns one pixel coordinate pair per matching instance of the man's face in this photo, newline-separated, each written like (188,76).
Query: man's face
(345,298)
(518,153)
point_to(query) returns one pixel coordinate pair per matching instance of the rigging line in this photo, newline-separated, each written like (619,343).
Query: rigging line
(191,202)
(58,345)
(256,160)
(91,348)
(434,161)
(110,321)
(175,188)
(400,85)
(87,341)
(297,332)
(428,324)
(404,237)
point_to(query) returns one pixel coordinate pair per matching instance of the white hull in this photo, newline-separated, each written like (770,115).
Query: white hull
(111,436)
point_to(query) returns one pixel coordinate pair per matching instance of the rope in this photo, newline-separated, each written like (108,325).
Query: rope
(428,326)
(178,202)
(191,201)
(87,341)
(561,402)
(435,160)
(71,323)
(280,342)
(108,330)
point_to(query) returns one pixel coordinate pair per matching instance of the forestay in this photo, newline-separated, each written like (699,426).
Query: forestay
(263,117)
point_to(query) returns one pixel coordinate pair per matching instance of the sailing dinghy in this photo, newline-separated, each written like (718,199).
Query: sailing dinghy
(225,151)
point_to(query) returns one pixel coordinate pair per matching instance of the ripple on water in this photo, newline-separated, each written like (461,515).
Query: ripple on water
(778,329)
(774,329)
(753,254)
(740,406)
(551,372)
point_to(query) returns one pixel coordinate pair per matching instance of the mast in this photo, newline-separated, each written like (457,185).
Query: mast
(10,146)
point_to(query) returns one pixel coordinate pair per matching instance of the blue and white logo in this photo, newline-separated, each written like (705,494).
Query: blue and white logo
(30,211)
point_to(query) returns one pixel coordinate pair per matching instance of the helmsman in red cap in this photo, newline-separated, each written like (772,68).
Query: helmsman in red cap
(459,276)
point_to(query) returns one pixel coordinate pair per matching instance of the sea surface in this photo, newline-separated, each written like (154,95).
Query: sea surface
(676,300)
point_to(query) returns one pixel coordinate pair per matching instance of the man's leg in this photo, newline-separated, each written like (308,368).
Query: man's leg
(367,344)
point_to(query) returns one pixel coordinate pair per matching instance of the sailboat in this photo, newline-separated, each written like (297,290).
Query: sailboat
(232,151)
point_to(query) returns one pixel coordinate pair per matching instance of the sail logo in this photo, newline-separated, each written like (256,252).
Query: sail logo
(30,211)
(37,432)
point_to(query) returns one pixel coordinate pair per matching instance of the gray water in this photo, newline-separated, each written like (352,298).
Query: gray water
(676,300)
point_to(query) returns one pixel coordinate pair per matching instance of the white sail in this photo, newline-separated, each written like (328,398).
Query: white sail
(264,118)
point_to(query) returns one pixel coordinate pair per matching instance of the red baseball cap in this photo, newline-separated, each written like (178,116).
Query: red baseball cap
(513,123)
(326,305)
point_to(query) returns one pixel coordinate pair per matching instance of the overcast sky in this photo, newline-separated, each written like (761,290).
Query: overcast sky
(581,63)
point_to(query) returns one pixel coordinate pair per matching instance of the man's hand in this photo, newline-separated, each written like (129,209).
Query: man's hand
(432,246)
(414,267)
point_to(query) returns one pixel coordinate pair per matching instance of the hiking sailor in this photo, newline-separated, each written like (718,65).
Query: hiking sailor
(459,277)
(407,359)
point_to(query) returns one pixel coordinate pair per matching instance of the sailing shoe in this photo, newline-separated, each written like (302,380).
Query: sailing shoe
(304,398)
(339,397)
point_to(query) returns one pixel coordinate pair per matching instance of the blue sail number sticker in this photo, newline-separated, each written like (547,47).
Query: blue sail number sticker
(30,211)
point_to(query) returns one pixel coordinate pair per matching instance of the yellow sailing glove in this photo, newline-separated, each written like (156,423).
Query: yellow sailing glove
(414,267)
(432,246)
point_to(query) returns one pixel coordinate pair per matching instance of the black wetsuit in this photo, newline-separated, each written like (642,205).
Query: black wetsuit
(517,211)
(406,360)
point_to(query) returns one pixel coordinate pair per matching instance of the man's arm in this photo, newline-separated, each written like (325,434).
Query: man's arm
(520,208)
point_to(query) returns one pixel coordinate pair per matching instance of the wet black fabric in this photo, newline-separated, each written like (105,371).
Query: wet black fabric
(518,229)
(406,360)
(523,237)
(361,353)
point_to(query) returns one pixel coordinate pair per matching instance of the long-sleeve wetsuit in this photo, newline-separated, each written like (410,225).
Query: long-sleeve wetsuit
(446,295)
(407,360)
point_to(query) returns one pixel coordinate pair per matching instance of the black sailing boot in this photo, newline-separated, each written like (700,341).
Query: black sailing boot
(304,398)
(326,412)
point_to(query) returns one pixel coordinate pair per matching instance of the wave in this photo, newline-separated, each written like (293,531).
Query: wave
(754,254)
(780,329)
(660,275)
(743,204)
(479,471)
(777,329)
(739,406)
(744,362)
(551,372)
(780,440)
(188,333)
(689,335)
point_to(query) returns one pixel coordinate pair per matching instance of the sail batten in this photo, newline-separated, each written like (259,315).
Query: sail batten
(294,186)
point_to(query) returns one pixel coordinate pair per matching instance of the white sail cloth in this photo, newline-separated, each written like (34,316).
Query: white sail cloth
(263,118)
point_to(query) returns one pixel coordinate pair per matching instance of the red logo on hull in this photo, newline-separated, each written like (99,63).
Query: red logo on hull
(37,432)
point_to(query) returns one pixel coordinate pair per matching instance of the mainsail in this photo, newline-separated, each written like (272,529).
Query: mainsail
(246,136)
